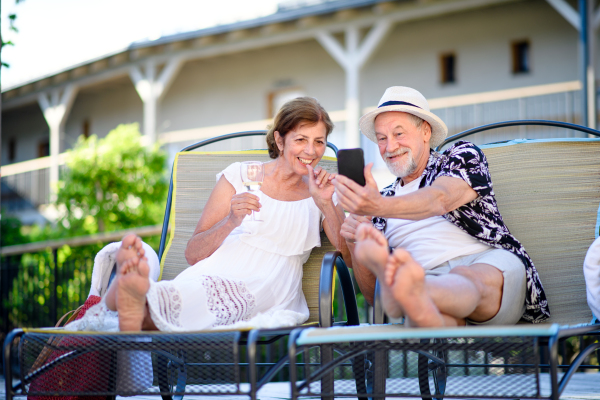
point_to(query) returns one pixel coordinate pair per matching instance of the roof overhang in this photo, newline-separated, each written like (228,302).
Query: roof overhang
(285,26)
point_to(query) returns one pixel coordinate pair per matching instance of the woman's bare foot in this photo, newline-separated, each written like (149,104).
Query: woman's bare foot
(371,251)
(131,249)
(131,289)
(408,289)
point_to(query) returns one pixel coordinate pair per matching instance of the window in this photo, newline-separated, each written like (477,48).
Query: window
(448,68)
(520,57)
(12,150)
(86,128)
(43,148)
(280,97)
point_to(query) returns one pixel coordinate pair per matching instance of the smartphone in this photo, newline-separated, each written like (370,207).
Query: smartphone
(351,163)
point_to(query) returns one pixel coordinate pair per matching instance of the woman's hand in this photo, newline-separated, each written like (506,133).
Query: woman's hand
(241,205)
(319,184)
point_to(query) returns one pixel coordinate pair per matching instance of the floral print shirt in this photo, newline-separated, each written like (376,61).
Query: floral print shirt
(481,217)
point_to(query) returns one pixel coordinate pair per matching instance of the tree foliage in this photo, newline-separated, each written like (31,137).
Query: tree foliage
(109,184)
(12,27)
(10,230)
(112,183)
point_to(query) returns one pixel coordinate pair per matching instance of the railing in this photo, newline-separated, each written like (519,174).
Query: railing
(557,101)
(39,282)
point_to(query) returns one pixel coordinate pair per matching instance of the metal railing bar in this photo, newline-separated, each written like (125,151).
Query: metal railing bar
(537,122)
(79,240)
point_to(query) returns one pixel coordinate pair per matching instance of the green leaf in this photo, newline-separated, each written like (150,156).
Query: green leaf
(112,183)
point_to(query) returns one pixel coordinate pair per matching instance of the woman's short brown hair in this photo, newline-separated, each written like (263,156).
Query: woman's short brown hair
(301,110)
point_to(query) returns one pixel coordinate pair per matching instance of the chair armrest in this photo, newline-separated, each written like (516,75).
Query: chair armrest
(331,260)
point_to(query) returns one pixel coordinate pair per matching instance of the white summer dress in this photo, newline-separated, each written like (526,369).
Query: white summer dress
(253,279)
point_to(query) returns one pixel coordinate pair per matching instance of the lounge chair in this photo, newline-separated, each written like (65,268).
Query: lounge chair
(548,191)
(210,362)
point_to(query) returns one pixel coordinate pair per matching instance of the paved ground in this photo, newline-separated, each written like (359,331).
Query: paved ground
(583,386)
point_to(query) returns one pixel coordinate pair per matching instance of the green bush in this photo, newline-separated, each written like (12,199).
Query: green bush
(110,184)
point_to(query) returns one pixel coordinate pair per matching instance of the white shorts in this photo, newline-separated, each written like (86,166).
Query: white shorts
(514,289)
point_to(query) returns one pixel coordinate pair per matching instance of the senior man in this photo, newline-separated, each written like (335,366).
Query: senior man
(453,259)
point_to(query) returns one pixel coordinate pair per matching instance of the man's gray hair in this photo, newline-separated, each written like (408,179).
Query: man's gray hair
(416,121)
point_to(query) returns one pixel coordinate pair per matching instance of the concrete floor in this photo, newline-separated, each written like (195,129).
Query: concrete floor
(583,386)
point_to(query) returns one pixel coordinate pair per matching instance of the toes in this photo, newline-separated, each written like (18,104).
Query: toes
(129,241)
(400,256)
(378,237)
(143,267)
(137,244)
(362,232)
(390,272)
(126,267)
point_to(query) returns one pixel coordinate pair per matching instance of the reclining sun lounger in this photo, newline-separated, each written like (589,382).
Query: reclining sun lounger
(209,362)
(548,191)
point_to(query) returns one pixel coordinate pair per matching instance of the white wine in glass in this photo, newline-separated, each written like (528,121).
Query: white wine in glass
(253,173)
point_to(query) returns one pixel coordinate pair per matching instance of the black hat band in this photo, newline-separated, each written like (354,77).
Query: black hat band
(397,103)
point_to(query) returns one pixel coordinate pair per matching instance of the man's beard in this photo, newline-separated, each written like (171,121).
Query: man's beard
(403,168)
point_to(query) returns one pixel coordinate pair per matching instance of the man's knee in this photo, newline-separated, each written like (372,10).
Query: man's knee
(486,278)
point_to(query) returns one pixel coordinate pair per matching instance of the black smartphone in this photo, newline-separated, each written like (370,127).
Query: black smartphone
(351,163)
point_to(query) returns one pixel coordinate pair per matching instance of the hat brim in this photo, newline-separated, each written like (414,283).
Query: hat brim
(439,130)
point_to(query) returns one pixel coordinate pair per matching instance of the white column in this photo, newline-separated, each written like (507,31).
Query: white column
(352,88)
(352,58)
(590,70)
(56,105)
(151,89)
(588,74)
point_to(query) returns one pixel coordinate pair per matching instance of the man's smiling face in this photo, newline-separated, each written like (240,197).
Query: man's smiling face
(401,143)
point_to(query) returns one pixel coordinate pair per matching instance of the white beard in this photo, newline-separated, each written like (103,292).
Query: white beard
(401,168)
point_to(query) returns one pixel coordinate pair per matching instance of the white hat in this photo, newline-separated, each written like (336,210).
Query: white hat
(408,100)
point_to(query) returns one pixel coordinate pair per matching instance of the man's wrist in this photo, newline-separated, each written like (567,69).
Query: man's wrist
(383,207)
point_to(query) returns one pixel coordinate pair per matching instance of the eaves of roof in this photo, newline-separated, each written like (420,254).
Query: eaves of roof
(283,15)
(326,7)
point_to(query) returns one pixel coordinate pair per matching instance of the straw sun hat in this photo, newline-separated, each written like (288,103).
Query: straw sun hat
(408,100)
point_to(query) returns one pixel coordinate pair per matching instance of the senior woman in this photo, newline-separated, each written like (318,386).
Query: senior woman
(240,269)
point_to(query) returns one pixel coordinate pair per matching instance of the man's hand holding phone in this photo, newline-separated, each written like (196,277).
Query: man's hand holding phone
(357,199)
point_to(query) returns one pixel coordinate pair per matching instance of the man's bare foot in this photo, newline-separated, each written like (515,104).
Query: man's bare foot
(408,289)
(131,288)
(371,251)
(131,249)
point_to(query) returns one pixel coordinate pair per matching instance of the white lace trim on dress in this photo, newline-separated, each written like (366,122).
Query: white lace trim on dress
(97,319)
(165,304)
(229,301)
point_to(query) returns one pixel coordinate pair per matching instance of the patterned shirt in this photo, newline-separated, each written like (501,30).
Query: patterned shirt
(481,217)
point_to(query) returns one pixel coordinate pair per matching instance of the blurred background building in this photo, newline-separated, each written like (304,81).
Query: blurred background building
(477,62)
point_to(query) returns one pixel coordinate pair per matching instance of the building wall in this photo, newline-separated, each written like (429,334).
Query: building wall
(481,41)
(104,107)
(28,127)
(235,88)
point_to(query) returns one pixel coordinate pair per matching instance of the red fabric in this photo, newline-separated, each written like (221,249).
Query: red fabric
(88,372)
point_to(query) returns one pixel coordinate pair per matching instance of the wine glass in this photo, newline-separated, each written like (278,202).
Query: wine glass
(253,173)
